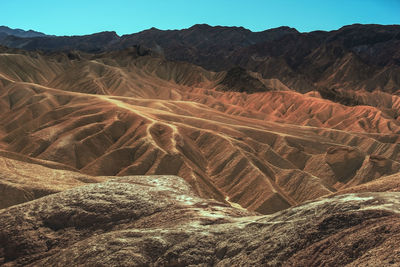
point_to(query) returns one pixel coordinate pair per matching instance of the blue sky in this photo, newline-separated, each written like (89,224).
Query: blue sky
(77,17)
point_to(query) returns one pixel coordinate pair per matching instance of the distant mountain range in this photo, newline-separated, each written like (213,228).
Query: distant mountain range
(353,57)
(5,31)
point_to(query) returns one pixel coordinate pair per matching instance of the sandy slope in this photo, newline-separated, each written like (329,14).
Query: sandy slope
(26,179)
(132,115)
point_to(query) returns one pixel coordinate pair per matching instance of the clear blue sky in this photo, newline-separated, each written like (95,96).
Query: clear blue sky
(77,17)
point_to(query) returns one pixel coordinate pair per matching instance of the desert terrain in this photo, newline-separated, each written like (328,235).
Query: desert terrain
(146,150)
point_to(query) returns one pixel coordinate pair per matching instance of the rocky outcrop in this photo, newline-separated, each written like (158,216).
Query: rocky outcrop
(238,79)
(158,221)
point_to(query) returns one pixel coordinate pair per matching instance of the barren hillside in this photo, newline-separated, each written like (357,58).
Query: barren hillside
(134,113)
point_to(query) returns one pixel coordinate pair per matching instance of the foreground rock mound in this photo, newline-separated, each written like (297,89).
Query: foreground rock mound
(158,221)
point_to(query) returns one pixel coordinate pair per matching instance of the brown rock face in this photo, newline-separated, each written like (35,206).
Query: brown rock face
(238,79)
(157,220)
(344,162)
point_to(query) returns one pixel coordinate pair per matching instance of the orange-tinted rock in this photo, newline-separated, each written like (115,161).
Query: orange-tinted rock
(131,113)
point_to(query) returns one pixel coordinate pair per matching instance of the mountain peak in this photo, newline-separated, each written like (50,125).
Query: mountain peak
(20,32)
(106,34)
(202,26)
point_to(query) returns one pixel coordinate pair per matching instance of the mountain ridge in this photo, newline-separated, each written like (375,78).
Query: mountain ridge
(21,33)
(354,57)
